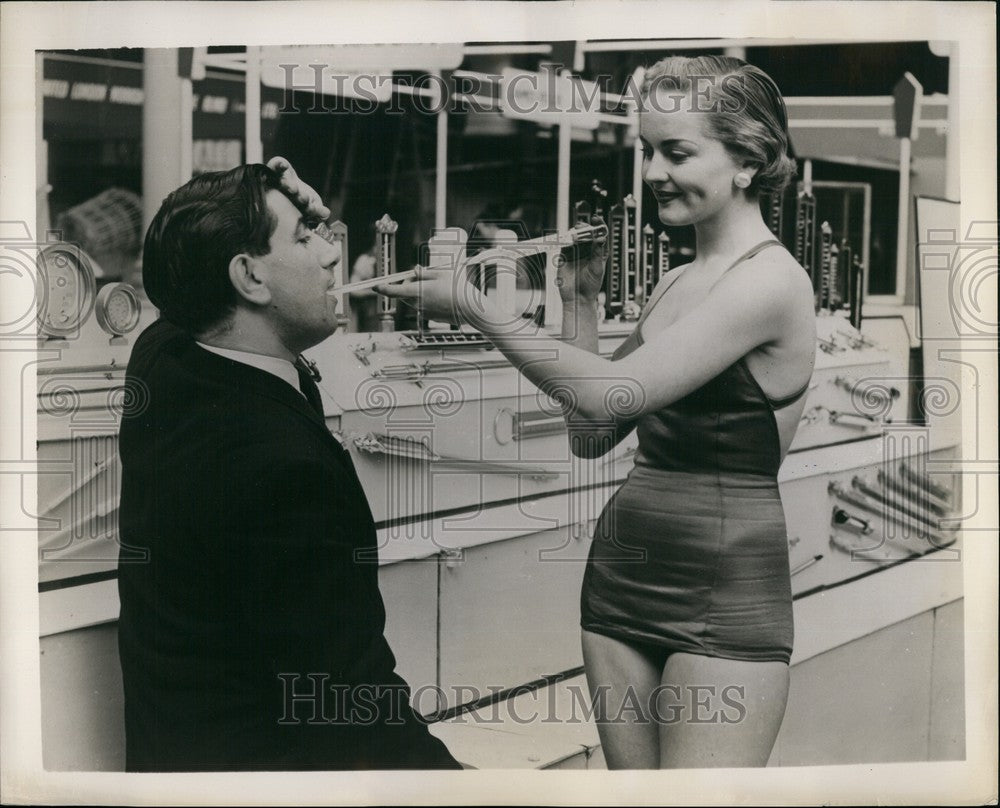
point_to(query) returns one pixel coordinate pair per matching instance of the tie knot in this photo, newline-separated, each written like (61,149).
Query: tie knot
(308,375)
(303,365)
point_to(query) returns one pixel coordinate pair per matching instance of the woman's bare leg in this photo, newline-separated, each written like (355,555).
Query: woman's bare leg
(622,681)
(719,712)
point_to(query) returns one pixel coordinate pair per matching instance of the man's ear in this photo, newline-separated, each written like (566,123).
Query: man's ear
(248,280)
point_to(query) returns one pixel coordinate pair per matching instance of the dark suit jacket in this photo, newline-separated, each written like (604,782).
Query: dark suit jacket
(252,595)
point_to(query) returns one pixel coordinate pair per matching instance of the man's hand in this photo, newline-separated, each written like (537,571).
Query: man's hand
(304,196)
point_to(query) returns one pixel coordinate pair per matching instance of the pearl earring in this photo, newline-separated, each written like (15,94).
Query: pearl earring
(742,180)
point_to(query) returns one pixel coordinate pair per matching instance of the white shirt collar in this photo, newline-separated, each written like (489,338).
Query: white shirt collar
(274,365)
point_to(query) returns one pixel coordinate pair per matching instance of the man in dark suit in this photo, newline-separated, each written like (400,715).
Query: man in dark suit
(252,637)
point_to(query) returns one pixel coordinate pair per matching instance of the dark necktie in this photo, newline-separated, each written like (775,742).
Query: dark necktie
(308,386)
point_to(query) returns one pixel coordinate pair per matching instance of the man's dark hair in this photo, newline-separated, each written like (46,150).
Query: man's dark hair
(194,236)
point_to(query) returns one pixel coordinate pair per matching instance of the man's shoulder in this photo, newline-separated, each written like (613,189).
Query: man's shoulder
(176,382)
(171,363)
(155,354)
(155,337)
(189,390)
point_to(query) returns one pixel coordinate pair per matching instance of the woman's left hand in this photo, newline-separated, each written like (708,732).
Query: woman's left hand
(441,294)
(304,196)
(580,269)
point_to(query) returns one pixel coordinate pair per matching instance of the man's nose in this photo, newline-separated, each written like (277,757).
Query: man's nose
(331,255)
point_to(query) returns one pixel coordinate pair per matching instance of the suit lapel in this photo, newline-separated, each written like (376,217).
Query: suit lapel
(255,381)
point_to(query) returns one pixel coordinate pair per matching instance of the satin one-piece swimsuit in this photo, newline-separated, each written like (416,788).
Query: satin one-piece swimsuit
(691,553)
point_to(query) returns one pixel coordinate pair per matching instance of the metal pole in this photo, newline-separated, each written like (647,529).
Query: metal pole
(906,96)
(42,219)
(903,232)
(637,78)
(553,303)
(166,129)
(952,166)
(254,146)
(562,189)
(187,130)
(441,177)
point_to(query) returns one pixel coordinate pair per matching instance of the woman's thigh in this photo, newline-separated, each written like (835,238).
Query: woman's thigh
(719,712)
(622,679)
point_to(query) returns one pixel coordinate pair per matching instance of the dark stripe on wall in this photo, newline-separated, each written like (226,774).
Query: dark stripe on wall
(499,503)
(77,580)
(859,576)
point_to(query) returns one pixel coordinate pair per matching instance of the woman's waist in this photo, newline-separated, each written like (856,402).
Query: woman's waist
(686,477)
(707,446)
(740,467)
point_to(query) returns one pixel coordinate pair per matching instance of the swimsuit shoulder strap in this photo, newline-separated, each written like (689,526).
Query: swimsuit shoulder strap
(780,403)
(671,280)
(752,252)
(673,276)
(784,401)
(648,307)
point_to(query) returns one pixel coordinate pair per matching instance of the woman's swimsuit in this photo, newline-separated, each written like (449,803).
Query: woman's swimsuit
(691,553)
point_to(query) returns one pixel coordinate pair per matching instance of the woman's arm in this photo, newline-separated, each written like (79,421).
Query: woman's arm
(579,325)
(752,305)
(587,439)
(580,279)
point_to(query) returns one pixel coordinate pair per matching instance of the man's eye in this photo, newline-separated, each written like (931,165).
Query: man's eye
(309,229)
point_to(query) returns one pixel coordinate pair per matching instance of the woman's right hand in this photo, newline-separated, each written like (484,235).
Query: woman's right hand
(580,269)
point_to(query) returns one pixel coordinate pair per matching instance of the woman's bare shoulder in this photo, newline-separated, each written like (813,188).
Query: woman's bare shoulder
(774,272)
